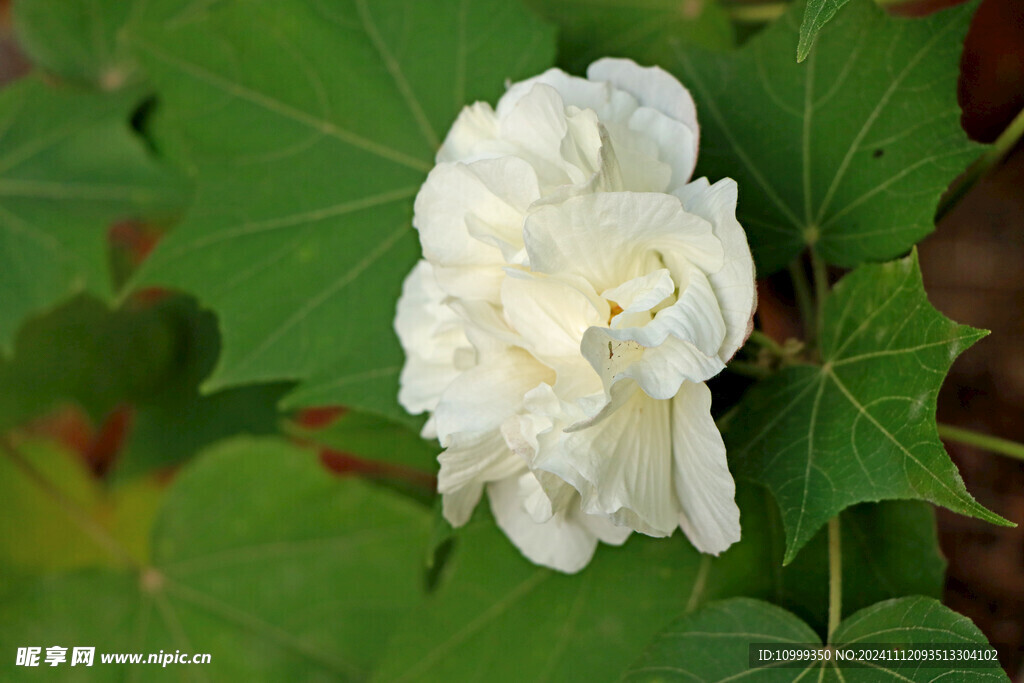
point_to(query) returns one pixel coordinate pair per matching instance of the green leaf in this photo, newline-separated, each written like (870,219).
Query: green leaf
(713,643)
(260,558)
(312,126)
(817,14)
(861,427)
(86,353)
(173,422)
(889,550)
(76,40)
(649,32)
(70,167)
(34,531)
(848,152)
(149,357)
(374,438)
(494,611)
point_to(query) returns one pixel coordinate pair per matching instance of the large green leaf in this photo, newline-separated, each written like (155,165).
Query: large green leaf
(647,31)
(860,427)
(70,166)
(148,357)
(495,612)
(174,421)
(77,40)
(889,549)
(713,644)
(83,352)
(311,126)
(260,558)
(848,152)
(34,531)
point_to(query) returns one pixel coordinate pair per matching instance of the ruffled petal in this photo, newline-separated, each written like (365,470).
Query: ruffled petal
(652,87)
(494,193)
(551,313)
(734,281)
(432,335)
(703,483)
(559,543)
(483,397)
(470,461)
(621,466)
(667,112)
(474,135)
(680,343)
(612,237)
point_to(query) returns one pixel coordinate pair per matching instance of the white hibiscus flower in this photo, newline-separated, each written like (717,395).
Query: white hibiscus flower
(576,292)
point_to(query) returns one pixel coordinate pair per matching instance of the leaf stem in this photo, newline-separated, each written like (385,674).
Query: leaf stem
(821,286)
(994,444)
(1003,145)
(749,369)
(835,576)
(765,342)
(72,509)
(804,300)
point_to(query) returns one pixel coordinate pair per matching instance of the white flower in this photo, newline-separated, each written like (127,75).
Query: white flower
(576,292)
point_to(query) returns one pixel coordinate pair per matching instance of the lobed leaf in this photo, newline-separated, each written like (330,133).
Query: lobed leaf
(311,126)
(646,31)
(860,427)
(848,152)
(260,558)
(712,644)
(78,41)
(70,167)
(493,611)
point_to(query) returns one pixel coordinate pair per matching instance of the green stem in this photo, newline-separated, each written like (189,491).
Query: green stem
(765,342)
(749,369)
(835,576)
(820,273)
(804,300)
(995,444)
(1006,141)
(74,512)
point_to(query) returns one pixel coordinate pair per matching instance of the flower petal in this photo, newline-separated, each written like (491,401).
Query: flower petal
(483,397)
(474,135)
(667,112)
(622,466)
(494,192)
(469,462)
(703,483)
(551,313)
(431,334)
(612,237)
(652,87)
(560,543)
(734,282)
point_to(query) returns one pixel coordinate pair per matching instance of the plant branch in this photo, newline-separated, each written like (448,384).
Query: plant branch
(994,444)
(835,576)
(71,508)
(748,369)
(804,299)
(820,273)
(1006,141)
(767,343)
